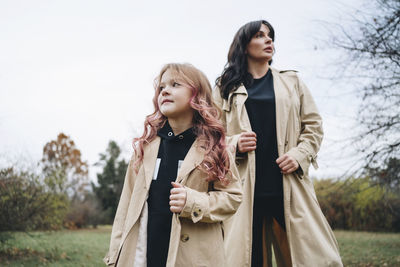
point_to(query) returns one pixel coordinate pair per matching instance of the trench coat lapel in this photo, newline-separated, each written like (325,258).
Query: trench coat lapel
(149,159)
(192,160)
(282,105)
(283,96)
(240,99)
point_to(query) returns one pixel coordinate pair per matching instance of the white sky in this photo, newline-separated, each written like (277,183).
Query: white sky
(86,68)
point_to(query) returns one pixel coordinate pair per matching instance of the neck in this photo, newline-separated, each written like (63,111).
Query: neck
(181,124)
(257,68)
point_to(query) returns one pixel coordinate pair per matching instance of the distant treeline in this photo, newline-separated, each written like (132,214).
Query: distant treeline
(358,204)
(58,194)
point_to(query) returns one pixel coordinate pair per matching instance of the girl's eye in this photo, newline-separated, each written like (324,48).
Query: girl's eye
(175,84)
(161,88)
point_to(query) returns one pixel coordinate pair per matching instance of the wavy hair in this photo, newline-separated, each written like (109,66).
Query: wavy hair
(206,124)
(235,72)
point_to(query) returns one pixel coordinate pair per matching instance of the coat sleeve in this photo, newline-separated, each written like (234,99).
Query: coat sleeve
(216,205)
(311,132)
(120,216)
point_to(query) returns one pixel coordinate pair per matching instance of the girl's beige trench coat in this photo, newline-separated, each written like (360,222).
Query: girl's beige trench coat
(196,233)
(299,133)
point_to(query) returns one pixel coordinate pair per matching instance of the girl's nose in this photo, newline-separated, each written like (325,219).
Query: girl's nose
(165,91)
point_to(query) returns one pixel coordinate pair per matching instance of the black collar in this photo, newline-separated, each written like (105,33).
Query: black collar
(166,133)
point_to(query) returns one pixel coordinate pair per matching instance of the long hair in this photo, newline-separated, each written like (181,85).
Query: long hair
(206,124)
(235,72)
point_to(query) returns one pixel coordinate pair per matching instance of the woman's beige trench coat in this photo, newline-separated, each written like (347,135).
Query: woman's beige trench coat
(196,233)
(299,133)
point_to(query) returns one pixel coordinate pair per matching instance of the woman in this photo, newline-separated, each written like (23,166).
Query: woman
(272,120)
(178,188)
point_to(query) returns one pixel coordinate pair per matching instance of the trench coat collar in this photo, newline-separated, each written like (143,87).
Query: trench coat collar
(226,105)
(283,93)
(149,159)
(192,160)
(242,89)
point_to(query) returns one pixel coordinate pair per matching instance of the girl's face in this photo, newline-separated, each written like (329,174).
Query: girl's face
(261,46)
(174,97)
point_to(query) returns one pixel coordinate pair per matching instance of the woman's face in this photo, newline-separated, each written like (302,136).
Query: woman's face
(261,46)
(174,97)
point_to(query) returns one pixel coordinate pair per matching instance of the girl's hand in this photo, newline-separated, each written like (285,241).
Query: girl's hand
(287,163)
(247,142)
(177,197)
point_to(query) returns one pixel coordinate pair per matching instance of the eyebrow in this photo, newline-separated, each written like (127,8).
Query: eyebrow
(265,32)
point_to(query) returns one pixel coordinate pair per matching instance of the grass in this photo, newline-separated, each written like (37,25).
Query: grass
(369,249)
(88,247)
(62,248)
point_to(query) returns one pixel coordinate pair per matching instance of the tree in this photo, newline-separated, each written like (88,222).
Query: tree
(64,170)
(371,46)
(387,176)
(111,179)
(357,204)
(85,212)
(25,204)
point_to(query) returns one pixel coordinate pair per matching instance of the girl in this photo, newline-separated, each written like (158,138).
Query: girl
(182,148)
(272,120)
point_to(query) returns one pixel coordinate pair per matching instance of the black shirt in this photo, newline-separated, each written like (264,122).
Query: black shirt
(260,106)
(171,153)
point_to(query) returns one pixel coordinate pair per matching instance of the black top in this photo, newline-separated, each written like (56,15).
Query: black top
(172,151)
(260,106)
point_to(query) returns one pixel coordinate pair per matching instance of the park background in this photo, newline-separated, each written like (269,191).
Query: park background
(76,81)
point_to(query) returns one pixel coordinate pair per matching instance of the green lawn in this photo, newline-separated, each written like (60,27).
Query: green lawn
(369,249)
(87,248)
(61,248)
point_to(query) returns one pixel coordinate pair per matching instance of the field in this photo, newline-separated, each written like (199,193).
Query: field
(87,248)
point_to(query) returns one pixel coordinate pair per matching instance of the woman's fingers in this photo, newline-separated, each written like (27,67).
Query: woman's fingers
(287,164)
(289,171)
(248,134)
(247,139)
(247,142)
(248,149)
(176,203)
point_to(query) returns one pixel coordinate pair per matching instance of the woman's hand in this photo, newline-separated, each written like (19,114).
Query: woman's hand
(247,142)
(287,163)
(177,197)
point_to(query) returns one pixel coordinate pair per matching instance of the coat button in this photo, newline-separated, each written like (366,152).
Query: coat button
(184,237)
(196,212)
(181,137)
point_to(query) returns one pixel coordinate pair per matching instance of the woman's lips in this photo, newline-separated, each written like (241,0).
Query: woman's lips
(166,101)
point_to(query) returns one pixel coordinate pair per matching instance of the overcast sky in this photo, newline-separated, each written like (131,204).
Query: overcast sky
(86,68)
